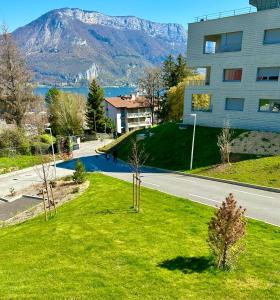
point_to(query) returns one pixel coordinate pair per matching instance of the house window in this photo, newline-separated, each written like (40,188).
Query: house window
(235,104)
(268,74)
(232,74)
(269,105)
(272,36)
(224,42)
(201,102)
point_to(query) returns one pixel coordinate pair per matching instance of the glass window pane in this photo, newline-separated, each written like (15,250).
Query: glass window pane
(232,74)
(272,36)
(201,102)
(236,104)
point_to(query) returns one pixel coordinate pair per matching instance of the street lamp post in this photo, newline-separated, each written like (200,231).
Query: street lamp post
(53,154)
(193,139)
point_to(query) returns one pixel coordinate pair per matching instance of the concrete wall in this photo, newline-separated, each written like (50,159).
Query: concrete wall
(254,54)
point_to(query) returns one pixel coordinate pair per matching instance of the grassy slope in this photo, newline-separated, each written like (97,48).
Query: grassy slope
(170,148)
(263,171)
(97,249)
(8,164)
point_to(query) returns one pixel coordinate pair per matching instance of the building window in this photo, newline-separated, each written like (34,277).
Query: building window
(269,105)
(224,42)
(272,36)
(232,74)
(268,74)
(235,104)
(201,102)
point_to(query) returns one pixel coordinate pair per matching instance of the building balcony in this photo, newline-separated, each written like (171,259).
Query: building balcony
(198,83)
(139,124)
(138,115)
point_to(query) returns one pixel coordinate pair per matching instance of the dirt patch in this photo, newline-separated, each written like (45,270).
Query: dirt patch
(257,143)
(63,192)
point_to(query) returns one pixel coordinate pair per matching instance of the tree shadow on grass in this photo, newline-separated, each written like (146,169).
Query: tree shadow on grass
(115,211)
(188,265)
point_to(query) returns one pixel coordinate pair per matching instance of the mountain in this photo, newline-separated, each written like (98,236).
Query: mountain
(71,45)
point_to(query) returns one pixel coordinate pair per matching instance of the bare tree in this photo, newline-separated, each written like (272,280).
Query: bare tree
(44,172)
(226,229)
(137,159)
(224,142)
(151,85)
(16,90)
(37,115)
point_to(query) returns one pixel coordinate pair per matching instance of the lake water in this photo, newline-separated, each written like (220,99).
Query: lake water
(109,91)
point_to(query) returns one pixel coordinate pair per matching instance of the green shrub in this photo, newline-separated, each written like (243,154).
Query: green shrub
(47,139)
(16,139)
(79,175)
(39,147)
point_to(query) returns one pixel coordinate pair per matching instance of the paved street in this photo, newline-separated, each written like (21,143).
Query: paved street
(24,178)
(260,205)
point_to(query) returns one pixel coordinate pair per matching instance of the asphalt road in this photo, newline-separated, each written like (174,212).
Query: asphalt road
(260,205)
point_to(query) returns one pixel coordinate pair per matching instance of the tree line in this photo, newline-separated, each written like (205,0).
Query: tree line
(164,88)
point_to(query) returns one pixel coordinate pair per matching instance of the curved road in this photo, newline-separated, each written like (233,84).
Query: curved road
(260,205)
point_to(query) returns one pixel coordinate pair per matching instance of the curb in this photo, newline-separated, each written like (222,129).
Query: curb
(233,182)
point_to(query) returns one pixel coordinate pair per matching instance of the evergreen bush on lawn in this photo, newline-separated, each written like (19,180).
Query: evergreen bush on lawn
(79,175)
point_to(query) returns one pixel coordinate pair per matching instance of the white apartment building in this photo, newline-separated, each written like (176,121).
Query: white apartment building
(128,113)
(241,58)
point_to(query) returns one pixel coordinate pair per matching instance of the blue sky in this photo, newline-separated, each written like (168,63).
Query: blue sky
(20,12)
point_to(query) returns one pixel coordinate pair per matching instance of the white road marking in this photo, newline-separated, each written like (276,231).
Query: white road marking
(205,198)
(184,179)
(156,185)
(258,195)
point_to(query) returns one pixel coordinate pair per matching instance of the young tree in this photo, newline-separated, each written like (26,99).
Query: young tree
(95,114)
(226,229)
(16,91)
(137,157)
(151,85)
(224,142)
(79,175)
(67,114)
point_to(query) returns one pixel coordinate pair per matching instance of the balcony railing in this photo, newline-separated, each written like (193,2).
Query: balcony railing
(136,124)
(229,13)
(198,82)
(138,115)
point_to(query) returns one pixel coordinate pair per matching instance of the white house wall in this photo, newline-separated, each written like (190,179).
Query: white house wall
(254,54)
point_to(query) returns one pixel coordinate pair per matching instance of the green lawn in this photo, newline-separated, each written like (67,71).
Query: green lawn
(263,171)
(8,164)
(96,248)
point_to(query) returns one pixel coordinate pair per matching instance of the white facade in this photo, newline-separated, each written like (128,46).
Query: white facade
(127,119)
(260,48)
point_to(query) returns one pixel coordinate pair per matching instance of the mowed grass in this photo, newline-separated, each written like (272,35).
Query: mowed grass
(170,147)
(263,171)
(8,164)
(97,248)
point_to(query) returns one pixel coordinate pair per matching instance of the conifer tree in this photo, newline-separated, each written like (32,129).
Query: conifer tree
(95,111)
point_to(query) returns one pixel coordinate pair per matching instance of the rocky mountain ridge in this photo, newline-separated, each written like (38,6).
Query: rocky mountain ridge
(70,46)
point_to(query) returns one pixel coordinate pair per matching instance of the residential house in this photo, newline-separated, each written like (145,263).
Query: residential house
(129,112)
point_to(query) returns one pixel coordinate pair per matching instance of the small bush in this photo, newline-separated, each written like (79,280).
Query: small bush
(15,139)
(79,175)
(47,139)
(76,190)
(39,147)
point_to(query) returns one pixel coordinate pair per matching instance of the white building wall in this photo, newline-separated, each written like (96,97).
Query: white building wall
(254,54)
(115,115)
